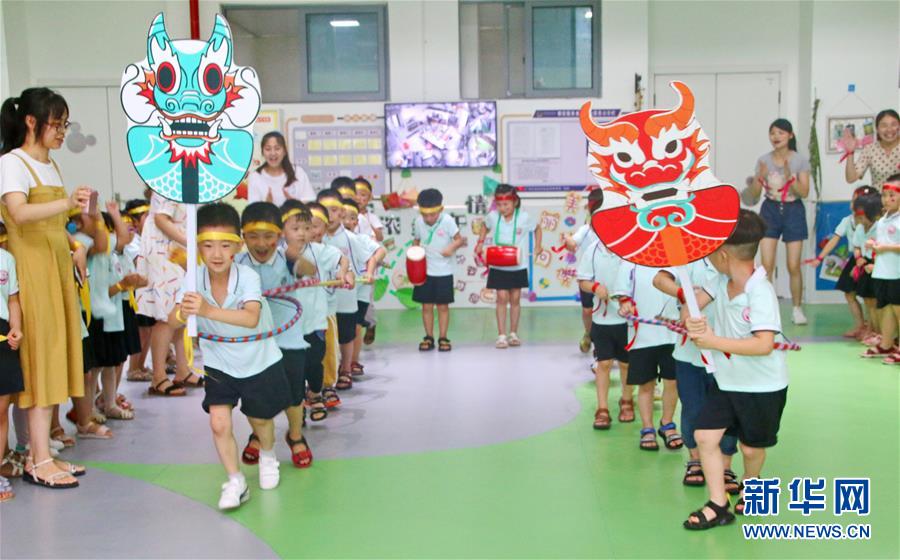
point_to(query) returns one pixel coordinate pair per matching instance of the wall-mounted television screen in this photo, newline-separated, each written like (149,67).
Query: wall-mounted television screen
(460,134)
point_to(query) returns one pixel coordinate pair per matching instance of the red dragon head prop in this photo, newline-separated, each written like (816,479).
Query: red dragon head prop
(662,206)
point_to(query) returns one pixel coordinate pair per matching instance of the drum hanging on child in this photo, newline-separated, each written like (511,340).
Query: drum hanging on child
(416,268)
(502,255)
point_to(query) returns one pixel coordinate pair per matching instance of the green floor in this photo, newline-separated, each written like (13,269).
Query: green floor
(574,492)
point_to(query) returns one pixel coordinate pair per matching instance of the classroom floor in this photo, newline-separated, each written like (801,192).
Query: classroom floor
(479,453)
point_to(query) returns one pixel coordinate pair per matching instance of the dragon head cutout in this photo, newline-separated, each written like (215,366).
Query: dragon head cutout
(662,205)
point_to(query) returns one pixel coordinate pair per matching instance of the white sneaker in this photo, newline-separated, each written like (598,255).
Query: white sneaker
(501,342)
(234,493)
(514,339)
(798,316)
(56,444)
(268,472)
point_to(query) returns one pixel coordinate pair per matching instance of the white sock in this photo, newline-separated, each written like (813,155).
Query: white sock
(270,454)
(239,478)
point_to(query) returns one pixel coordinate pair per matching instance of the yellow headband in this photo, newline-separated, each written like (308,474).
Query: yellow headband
(351,208)
(139,210)
(316,213)
(330,203)
(260,226)
(4,238)
(363,186)
(218,236)
(346,192)
(290,213)
(75,212)
(431,209)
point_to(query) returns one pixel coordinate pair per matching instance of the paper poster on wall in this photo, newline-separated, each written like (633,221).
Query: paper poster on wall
(327,151)
(546,152)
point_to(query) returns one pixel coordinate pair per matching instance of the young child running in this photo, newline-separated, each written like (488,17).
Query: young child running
(886,268)
(510,226)
(136,212)
(262,227)
(577,243)
(229,303)
(369,224)
(853,229)
(750,388)
(649,352)
(11,380)
(328,264)
(438,233)
(364,255)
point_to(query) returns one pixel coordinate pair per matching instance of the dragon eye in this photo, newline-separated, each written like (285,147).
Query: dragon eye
(165,77)
(672,147)
(624,158)
(212,79)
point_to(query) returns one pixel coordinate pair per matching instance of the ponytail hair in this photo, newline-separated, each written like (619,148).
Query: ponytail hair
(41,103)
(785,125)
(289,172)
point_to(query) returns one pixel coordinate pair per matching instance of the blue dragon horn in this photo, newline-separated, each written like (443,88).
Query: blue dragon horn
(157,32)
(222,32)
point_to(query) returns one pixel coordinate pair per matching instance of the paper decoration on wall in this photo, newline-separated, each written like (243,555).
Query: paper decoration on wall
(662,205)
(190,112)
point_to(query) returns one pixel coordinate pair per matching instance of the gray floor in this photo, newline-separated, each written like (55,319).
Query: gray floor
(409,402)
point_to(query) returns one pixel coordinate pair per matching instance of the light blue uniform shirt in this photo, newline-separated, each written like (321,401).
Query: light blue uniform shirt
(887,263)
(512,232)
(435,239)
(584,238)
(9,283)
(636,282)
(358,249)
(243,359)
(753,310)
(702,273)
(327,260)
(598,264)
(272,274)
(104,273)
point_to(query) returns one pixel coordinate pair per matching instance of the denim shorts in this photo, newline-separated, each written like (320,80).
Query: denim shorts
(785,220)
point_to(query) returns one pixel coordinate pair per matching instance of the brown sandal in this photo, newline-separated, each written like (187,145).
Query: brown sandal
(344,382)
(172,390)
(626,410)
(602,421)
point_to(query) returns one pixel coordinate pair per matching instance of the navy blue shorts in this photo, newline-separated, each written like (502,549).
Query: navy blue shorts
(785,220)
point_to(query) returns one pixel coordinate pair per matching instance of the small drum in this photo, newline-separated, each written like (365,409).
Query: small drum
(416,268)
(502,255)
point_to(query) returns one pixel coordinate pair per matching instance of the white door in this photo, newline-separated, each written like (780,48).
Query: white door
(84,158)
(704,88)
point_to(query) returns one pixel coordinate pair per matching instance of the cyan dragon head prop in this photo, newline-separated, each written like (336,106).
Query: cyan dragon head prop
(662,205)
(190,114)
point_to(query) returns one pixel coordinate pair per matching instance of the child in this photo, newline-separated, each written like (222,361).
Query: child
(228,302)
(11,380)
(576,243)
(871,207)
(364,255)
(693,382)
(438,233)
(345,187)
(363,290)
(369,224)
(136,212)
(511,226)
(852,228)
(597,272)
(649,352)
(750,388)
(328,263)
(886,269)
(261,226)
(330,361)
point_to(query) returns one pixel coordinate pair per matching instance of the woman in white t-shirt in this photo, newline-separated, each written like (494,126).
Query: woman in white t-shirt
(277,179)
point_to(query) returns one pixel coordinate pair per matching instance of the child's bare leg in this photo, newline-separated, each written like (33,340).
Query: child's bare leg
(502,302)
(223,437)
(295,421)
(888,328)
(443,319)
(712,462)
(265,430)
(627,390)
(428,318)
(645,403)
(357,344)
(855,310)
(586,319)
(601,375)
(515,309)
(669,401)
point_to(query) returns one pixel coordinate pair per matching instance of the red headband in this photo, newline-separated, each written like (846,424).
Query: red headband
(859,212)
(891,187)
(507,196)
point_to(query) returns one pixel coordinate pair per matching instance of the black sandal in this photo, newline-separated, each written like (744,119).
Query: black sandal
(723,517)
(672,441)
(186,382)
(444,345)
(170,391)
(739,504)
(317,410)
(426,344)
(692,472)
(649,444)
(732,485)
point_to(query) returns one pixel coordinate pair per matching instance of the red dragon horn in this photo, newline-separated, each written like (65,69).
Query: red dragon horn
(679,116)
(601,134)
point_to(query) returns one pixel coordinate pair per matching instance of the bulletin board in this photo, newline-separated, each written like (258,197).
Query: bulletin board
(546,152)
